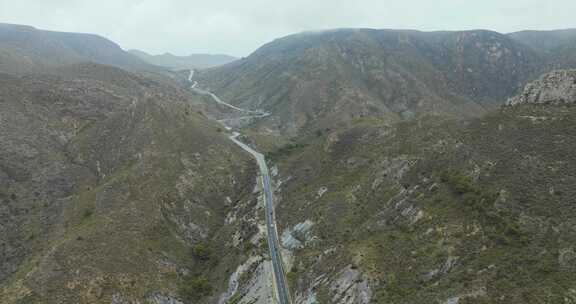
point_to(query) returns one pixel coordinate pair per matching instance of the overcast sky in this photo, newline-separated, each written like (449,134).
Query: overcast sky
(238,27)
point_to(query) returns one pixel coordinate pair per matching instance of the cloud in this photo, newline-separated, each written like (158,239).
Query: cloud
(239,27)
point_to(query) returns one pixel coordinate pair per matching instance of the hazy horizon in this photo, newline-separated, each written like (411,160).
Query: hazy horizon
(238,28)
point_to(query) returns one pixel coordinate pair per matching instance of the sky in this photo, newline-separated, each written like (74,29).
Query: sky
(238,27)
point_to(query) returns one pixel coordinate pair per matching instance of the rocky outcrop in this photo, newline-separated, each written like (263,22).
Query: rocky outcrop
(556,88)
(163,299)
(298,236)
(350,288)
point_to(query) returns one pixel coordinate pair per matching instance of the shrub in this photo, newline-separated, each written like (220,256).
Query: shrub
(87,213)
(459,183)
(195,288)
(292,278)
(202,252)
(478,202)
(286,150)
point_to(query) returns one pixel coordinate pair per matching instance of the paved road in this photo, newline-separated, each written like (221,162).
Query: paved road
(257,114)
(273,244)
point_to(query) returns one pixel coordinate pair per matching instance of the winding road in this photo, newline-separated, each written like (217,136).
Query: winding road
(273,244)
(194,87)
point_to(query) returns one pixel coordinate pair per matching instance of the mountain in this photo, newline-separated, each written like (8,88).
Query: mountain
(114,186)
(558,46)
(110,185)
(24,49)
(435,209)
(194,61)
(545,41)
(317,79)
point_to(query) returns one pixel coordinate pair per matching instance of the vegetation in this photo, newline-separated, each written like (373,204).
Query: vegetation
(202,252)
(195,288)
(438,209)
(98,207)
(285,151)
(292,276)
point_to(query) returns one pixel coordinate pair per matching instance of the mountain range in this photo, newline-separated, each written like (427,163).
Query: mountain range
(406,166)
(314,79)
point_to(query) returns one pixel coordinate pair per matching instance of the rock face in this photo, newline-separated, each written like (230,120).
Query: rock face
(556,88)
(298,236)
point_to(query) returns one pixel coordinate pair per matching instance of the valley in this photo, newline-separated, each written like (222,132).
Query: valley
(343,166)
(283,295)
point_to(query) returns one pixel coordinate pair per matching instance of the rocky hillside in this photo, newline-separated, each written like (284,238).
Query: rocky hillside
(318,78)
(435,210)
(194,61)
(24,49)
(114,190)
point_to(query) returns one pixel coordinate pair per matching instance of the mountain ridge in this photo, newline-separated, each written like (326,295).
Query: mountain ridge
(192,61)
(402,73)
(545,40)
(25,49)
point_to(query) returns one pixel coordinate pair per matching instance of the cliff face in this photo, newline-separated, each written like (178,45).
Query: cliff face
(558,87)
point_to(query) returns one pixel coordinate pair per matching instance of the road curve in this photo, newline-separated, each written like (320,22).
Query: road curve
(257,114)
(273,243)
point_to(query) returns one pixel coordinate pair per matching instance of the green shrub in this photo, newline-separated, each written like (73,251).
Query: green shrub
(202,252)
(195,288)
(292,278)
(87,213)
(286,150)
(478,203)
(459,183)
